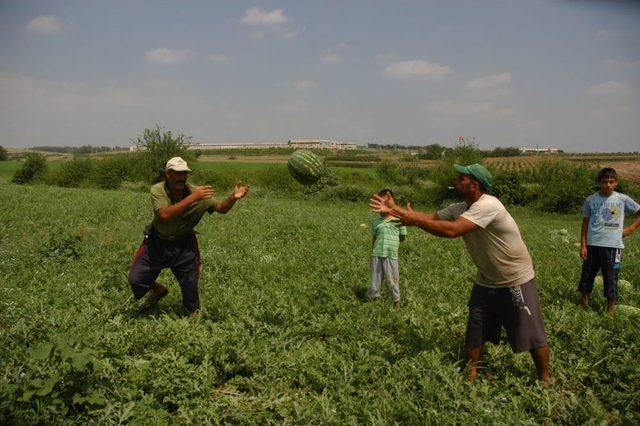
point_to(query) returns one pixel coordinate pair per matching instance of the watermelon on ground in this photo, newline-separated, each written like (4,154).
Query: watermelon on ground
(627,310)
(625,285)
(622,284)
(305,166)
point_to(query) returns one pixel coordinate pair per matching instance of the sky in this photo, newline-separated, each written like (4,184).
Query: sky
(546,73)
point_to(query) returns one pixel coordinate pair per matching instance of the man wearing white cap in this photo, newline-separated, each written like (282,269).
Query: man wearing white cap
(170,241)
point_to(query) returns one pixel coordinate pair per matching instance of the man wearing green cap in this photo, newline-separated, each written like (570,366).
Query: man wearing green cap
(504,292)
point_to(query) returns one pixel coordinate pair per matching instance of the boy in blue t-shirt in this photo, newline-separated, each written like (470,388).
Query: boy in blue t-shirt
(602,232)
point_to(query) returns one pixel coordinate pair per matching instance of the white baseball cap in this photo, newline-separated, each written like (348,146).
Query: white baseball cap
(177,164)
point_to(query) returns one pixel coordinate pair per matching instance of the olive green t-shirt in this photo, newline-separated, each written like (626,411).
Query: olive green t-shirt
(182,225)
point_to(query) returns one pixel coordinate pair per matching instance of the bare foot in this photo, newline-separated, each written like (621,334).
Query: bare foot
(397,304)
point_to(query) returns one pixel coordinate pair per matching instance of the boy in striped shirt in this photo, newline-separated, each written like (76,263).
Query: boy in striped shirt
(384,257)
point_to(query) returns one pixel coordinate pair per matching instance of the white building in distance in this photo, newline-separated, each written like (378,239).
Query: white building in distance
(293,143)
(236,146)
(321,144)
(525,150)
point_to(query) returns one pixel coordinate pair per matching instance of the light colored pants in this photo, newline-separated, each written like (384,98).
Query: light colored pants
(383,268)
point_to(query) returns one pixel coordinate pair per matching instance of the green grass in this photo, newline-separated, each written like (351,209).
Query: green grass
(10,167)
(286,333)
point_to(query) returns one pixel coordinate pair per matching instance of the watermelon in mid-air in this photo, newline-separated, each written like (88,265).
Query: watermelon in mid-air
(305,166)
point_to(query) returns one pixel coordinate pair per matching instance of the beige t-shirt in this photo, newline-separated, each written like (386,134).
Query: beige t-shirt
(496,246)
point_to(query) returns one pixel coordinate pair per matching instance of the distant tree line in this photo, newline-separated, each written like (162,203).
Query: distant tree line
(436,151)
(4,155)
(84,149)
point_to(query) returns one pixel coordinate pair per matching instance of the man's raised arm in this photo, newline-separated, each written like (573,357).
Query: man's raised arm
(197,194)
(430,223)
(239,191)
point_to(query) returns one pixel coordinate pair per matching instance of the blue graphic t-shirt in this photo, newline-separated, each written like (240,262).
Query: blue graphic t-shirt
(606,218)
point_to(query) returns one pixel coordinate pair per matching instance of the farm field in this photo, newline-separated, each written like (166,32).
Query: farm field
(628,166)
(286,335)
(10,167)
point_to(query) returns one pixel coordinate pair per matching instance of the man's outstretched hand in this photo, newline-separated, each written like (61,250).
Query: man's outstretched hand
(240,190)
(202,192)
(380,205)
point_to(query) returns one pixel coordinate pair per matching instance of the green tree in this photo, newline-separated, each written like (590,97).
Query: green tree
(465,152)
(157,146)
(434,151)
(4,156)
(34,166)
(503,152)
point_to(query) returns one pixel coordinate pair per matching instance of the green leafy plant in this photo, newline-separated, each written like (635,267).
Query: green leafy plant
(73,173)
(564,185)
(69,384)
(159,145)
(61,247)
(34,166)
(465,152)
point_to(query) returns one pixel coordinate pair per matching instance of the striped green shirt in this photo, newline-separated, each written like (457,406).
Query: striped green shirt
(387,237)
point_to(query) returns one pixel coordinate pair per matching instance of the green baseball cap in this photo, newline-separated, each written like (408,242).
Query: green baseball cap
(478,171)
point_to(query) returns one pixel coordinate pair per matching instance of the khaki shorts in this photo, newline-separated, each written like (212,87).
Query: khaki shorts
(517,309)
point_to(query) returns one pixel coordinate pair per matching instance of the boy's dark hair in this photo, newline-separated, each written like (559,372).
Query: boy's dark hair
(385,191)
(607,173)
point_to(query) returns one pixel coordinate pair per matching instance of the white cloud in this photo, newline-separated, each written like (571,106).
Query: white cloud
(460,109)
(416,68)
(71,113)
(384,57)
(607,34)
(261,20)
(615,64)
(614,112)
(166,56)
(217,57)
(46,25)
(330,57)
(611,90)
(294,107)
(256,17)
(342,46)
(304,84)
(497,84)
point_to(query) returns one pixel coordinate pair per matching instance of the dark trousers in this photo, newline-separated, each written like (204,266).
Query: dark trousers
(156,254)
(517,309)
(606,259)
